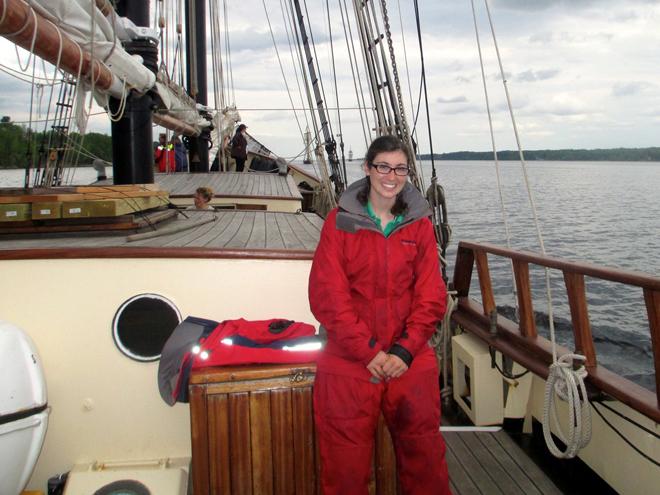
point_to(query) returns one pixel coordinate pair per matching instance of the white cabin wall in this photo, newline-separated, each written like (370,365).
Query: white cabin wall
(104,405)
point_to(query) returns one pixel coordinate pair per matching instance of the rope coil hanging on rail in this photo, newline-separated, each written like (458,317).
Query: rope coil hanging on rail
(568,385)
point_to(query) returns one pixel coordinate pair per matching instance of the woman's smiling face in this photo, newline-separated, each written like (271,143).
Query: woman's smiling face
(385,187)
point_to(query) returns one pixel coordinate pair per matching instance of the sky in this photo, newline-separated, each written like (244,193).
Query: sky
(580,74)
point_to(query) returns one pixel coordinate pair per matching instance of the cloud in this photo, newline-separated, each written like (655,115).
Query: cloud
(539,75)
(453,99)
(630,88)
(535,5)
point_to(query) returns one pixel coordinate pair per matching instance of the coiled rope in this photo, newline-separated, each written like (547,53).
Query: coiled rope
(567,384)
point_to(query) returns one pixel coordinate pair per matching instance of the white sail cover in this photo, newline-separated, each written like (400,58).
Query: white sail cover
(84,23)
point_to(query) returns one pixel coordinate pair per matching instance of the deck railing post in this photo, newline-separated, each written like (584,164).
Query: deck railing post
(577,300)
(652,300)
(463,271)
(487,296)
(525,306)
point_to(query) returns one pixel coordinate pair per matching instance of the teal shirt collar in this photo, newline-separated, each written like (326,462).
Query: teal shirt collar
(389,227)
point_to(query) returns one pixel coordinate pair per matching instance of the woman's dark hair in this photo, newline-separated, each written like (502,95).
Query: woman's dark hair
(385,144)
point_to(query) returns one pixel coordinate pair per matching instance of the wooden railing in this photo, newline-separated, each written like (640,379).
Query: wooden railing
(522,343)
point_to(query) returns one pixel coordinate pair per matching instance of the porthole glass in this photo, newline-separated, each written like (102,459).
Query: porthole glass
(143,324)
(123,487)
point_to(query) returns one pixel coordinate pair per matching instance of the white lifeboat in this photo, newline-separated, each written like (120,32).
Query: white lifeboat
(23,408)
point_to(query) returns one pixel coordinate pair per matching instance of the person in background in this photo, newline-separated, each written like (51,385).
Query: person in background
(375,286)
(180,155)
(164,155)
(202,198)
(239,147)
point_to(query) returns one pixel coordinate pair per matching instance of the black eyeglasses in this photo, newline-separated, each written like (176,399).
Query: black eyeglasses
(384,168)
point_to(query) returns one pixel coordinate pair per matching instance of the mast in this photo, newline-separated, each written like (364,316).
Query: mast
(132,138)
(198,147)
(330,143)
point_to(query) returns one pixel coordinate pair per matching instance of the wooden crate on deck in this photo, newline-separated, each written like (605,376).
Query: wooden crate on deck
(253,432)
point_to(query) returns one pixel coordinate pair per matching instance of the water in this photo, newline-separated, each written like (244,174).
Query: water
(606,213)
(78,176)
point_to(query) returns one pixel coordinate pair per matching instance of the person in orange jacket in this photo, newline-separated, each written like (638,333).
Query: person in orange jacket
(164,155)
(376,287)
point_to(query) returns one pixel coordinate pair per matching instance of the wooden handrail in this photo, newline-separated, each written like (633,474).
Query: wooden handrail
(521,342)
(628,277)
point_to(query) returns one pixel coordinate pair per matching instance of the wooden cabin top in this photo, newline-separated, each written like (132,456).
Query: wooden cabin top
(180,233)
(227,184)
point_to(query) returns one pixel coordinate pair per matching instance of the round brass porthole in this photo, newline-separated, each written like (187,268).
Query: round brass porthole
(143,324)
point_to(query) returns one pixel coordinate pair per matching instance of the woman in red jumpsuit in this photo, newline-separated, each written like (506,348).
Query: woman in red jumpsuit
(376,287)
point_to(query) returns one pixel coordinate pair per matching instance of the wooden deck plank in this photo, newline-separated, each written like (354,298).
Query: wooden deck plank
(291,241)
(225,184)
(311,228)
(533,472)
(257,238)
(297,223)
(502,478)
(243,234)
(460,481)
(507,460)
(269,189)
(189,237)
(243,183)
(491,462)
(219,225)
(315,220)
(472,465)
(260,185)
(232,229)
(274,239)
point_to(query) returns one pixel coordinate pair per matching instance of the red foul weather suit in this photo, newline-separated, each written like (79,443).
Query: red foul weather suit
(165,158)
(374,293)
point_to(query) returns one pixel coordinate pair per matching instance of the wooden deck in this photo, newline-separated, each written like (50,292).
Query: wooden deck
(219,229)
(240,190)
(488,463)
(230,184)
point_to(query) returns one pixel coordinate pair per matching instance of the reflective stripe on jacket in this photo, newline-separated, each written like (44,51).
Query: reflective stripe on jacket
(370,291)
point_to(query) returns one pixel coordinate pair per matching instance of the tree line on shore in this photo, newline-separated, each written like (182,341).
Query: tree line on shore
(571,155)
(15,141)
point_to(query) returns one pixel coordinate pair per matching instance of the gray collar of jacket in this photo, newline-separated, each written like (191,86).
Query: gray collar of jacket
(352,215)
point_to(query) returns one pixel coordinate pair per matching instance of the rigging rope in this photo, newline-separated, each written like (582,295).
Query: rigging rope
(287,21)
(440,343)
(279,61)
(334,74)
(423,80)
(229,69)
(495,158)
(562,381)
(350,46)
